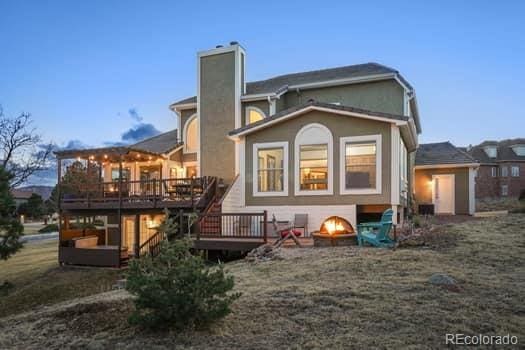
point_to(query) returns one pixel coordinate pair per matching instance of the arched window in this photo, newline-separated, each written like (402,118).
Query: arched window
(314,160)
(191,135)
(254,114)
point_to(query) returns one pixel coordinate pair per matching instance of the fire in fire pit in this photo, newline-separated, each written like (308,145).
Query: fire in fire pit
(336,225)
(334,231)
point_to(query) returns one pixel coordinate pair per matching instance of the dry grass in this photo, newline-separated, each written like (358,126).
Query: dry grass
(38,279)
(331,298)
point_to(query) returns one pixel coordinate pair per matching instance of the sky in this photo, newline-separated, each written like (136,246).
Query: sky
(94,73)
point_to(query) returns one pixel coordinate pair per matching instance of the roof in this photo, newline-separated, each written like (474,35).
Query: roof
(161,144)
(504,153)
(156,145)
(281,115)
(21,194)
(441,153)
(276,84)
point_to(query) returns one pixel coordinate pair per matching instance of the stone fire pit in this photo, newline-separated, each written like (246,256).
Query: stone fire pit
(335,231)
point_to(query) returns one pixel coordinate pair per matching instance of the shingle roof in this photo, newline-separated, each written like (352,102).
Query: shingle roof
(161,144)
(441,153)
(504,151)
(311,103)
(277,83)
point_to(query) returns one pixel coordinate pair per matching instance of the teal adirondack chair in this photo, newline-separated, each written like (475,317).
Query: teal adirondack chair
(376,233)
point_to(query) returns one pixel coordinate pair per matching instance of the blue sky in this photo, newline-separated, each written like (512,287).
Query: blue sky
(80,67)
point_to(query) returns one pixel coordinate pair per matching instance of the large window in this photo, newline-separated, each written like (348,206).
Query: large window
(361,165)
(253,114)
(270,169)
(126,174)
(504,171)
(515,171)
(313,167)
(313,160)
(191,135)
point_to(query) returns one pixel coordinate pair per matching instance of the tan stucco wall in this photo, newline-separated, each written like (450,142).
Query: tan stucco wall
(423,187)
(262,105)
(217,115)
(380,96)
(340,126)
(184,116)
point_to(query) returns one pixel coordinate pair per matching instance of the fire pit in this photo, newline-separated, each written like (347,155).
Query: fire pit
(334,231)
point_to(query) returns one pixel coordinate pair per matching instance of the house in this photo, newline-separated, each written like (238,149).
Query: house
(502,168)
(444,180)
(20,196)
(336,142)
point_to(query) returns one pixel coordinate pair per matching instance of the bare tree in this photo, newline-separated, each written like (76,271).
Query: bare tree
(23,151)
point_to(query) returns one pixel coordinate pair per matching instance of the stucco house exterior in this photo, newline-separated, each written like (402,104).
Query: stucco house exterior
(333,142)
(444,180)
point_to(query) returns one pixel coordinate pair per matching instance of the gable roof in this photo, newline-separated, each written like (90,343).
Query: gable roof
(282,82)
(441,153)
(161,144)
(504,151)
(313,105)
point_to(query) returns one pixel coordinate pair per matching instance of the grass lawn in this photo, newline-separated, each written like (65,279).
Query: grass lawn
(330,298)
(39,280)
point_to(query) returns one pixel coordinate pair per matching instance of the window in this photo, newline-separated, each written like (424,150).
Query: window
(125,174)
(504,190)
(504,171)
(515,171)
(191,135)
(492,151)
(494,171)
(313,167)
(360,164)
(403,169)
(313,160)
(270,164)
(253,114)
(519,150)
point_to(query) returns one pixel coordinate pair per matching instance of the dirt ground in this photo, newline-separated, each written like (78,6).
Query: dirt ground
(325,298)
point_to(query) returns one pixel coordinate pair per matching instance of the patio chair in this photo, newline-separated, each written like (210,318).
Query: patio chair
(376,233)
(301,221)
(284,232)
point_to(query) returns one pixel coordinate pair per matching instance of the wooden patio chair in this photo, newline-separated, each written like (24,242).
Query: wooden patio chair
(376,233)
(285,231)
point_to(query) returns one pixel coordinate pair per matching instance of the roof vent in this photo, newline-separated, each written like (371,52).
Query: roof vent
(234,43)
(218,46)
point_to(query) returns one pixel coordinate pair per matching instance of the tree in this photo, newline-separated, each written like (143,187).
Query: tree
(10,228)
(35,206)
(177,289)
(23,151)
(79,180)
(51,204)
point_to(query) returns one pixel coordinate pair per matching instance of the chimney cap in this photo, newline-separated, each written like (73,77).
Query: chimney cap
(234,43)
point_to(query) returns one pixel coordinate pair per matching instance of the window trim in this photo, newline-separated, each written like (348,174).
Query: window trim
(185,131)
(515,174)
(255,169)
(493,171)
(297,171)
(342,164)
(506,192)
(247,114)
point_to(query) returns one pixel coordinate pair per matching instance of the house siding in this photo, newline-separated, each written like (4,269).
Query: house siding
(423,187)
(340,126)
(380,96)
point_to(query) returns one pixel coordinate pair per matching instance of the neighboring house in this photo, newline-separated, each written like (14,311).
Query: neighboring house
(444,179)
(20,196)
(332,142)
(502,168)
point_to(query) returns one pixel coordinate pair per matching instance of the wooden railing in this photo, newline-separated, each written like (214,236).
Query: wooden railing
(233,225)
(193,190)
(152,245)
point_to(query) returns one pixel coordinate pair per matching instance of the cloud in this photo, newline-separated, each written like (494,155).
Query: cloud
(135,115)
(139,132)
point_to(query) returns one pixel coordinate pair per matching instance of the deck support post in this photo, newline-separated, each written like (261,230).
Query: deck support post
(265,227)
(136,243)
(119,211)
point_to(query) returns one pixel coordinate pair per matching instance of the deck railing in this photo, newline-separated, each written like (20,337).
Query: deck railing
(183,189)
(233,225)
(152,245)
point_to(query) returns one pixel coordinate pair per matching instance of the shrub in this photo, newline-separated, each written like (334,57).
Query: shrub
(49,228)
(416,220)
(75,226)
(177,289)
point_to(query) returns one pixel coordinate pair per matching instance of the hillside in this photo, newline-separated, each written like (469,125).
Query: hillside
(331,298)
